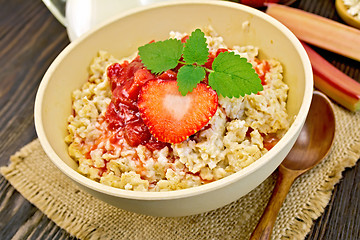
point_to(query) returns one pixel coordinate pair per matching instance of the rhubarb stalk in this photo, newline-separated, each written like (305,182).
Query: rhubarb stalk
(319,31)
(334,83)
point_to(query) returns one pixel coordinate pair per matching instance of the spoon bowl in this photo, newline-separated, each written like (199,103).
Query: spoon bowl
(316,137)
(313,144)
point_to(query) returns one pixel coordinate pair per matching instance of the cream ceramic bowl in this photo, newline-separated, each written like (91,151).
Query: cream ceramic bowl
(121,37)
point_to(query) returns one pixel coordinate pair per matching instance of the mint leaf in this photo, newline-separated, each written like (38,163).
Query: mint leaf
(162,55)
(195,48)
(230,76)
(233,76)
(188,77)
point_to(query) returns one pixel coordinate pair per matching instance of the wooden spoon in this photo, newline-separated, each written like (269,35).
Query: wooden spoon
(312,145)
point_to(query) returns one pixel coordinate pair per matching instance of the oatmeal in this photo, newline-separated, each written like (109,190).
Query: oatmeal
(112,145)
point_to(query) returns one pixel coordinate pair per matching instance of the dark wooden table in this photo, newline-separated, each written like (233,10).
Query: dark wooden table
(30,39)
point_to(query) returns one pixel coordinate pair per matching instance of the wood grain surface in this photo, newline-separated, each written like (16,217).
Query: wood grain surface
(30,39)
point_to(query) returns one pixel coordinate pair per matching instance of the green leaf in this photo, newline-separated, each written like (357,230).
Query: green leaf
(188,77)
(233,76)
(195,48)
(162,55)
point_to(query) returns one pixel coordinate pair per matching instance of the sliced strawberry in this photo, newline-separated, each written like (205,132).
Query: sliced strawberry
(172,117)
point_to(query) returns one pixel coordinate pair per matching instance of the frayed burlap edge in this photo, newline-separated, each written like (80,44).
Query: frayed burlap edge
(41,198)
(316,205)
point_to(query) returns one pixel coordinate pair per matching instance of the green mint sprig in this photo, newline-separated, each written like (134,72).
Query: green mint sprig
(230,76)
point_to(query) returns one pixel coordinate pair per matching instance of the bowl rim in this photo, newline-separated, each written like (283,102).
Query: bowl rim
(183,193)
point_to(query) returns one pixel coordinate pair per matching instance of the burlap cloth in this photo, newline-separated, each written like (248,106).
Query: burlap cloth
(85,217)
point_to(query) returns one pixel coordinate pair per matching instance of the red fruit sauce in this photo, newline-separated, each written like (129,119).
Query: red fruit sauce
(122,114)
(269,140)
(261,69)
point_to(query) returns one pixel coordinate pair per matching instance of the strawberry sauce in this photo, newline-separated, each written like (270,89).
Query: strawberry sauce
(122,114)
(270,140)
(261,69)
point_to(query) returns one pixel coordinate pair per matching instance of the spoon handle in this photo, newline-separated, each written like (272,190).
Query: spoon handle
(264,227)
